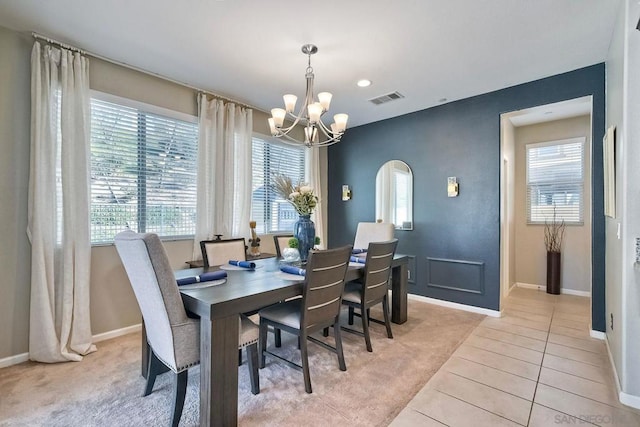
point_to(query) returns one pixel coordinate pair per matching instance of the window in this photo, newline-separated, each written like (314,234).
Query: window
(143,170)
(555,181)
(269,210)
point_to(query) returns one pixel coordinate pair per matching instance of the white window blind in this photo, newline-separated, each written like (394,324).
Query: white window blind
(555,181)
(143,172)
(271,212)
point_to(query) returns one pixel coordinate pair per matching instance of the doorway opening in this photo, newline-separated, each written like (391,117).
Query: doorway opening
(522,248)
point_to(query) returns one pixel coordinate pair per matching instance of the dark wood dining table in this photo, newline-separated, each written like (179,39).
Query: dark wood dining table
(244,291)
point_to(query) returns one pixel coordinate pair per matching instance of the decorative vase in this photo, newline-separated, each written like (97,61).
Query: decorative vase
(290,255)
(553,273)
(305,231)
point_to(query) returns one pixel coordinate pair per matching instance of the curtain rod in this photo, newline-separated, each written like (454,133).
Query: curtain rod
(133,67)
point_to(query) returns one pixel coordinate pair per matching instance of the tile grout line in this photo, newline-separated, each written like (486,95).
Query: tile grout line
(476,406)
(507,342)
(505,355)
(535,390)
(492,367)
(487,385)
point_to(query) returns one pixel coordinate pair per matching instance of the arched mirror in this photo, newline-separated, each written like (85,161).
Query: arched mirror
(394,194)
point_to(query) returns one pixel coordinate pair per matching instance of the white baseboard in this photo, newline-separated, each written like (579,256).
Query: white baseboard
(530,286)
(598,335)
(577,293)
(117,333)
(14,360)
(630,400)
(457,306)
(562,290)
(24,357)
(624,398)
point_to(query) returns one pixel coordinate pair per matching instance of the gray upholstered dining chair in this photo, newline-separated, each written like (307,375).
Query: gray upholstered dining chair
(368,232)
(173,337)
(318,308)
(219,252)
(372,289)
(281,242)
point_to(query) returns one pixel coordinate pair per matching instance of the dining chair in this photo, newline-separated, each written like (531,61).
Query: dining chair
(173,337)
(372,289)
(368,232)
(281,242)
(219,252)
(318,308)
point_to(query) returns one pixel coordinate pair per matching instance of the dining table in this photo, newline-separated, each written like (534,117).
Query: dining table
(244,291)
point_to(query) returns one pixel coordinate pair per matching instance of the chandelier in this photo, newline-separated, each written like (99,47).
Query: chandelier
(316,133)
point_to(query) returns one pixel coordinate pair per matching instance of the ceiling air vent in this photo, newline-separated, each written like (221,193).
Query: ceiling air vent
(386,98)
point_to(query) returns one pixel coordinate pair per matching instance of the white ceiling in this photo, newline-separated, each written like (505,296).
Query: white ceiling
(249,50)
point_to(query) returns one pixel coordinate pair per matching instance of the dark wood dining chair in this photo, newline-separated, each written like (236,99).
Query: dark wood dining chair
(281,242)
(372,289)
(318,308)
(220,251)
(173,337)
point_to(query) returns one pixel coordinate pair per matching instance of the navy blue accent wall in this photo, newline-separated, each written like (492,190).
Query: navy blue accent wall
(460,139)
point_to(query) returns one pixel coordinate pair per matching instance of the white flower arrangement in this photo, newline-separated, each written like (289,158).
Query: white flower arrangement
(300,196)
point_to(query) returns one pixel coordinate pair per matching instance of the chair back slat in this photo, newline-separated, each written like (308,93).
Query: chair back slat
(323,286)
(377,269)
(219,252)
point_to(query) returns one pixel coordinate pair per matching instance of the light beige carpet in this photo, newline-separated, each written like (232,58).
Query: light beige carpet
(106,388)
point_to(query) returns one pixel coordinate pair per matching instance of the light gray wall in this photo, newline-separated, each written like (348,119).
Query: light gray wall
(630,143)
(15,251)
(507,197)
(613,256)
(530,262)
(622,273)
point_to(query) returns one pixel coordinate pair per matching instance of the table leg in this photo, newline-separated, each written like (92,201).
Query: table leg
(399,275)
(219,371)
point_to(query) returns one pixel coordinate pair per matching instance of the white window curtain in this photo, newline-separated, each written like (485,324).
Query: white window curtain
(224,171)
(58,214)
(314,177)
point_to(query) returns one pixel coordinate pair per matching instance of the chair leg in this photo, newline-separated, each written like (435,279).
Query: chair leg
(365,329)
(277,337)
(252,362)
(325,332)
(387,322)
(338,337)
(262,343)
(305,362)
(351,315)
(180,392)
(154,368)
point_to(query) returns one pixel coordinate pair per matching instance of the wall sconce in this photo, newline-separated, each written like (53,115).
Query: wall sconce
(346,193)
(452,186)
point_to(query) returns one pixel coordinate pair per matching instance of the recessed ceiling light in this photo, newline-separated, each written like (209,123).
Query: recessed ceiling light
(364,83)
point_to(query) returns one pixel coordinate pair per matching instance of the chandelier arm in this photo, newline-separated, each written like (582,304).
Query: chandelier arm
(326,130)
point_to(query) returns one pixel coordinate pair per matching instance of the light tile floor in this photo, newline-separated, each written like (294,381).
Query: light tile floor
(535,366)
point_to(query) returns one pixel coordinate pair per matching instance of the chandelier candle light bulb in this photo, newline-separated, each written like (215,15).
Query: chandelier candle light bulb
(309,115)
